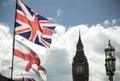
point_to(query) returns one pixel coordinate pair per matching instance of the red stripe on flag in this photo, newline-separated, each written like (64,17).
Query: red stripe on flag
(31,57)
(21,18)
(47,32)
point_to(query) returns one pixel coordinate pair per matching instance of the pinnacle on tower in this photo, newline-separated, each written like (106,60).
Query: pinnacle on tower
(79,44)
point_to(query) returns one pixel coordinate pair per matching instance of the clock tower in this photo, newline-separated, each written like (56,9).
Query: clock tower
(80,67)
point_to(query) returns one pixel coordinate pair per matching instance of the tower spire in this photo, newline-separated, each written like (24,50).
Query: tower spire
(79,44)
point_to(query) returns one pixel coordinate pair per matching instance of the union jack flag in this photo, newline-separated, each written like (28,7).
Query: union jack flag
(32,26)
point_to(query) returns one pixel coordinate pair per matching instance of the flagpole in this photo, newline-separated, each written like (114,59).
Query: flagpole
(13,44)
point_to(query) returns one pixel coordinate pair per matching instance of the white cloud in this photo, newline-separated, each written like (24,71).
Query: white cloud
(114,22)
(63,48)
(5,49)
(107,22)
(59,12)
(95,39)
(57,18)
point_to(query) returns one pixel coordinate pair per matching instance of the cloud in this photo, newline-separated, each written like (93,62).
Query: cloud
(57,18)
(94,38)
(114,22)
(63,49)
(59,12)
(106,22)
(5,49)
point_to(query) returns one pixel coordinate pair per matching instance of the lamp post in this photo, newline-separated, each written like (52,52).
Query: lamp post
(110,60)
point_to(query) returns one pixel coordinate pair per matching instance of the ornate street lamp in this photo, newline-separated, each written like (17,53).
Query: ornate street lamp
(110,61)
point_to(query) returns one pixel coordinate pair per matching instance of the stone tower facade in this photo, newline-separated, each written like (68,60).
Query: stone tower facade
(80,67)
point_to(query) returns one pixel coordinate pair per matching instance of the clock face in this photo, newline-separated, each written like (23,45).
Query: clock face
(79,69)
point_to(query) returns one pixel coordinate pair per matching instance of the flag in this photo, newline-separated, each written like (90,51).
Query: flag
(28,79)
(32,26)
(19,78)
(27,54)
(26,59)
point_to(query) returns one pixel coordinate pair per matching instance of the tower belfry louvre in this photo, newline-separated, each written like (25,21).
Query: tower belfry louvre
(80,67)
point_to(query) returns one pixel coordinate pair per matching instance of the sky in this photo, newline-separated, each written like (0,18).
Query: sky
(97,20)
(66,12)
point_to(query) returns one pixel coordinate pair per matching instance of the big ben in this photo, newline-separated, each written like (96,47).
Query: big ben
(80,67)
